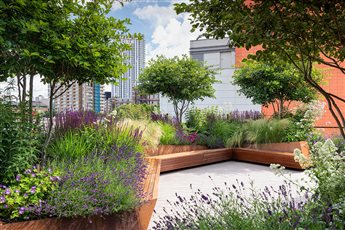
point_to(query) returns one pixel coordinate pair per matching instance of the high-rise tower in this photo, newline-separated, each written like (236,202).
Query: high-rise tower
(124,90)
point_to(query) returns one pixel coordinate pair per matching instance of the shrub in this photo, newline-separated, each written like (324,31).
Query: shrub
(27,192)
(259,132)
(168,134)
(328,169)
(302,122)
(20,142)
(219,132)
(135,111)
(100,184)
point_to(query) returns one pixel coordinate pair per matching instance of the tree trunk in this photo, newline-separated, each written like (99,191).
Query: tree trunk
(50,124)
(31,89)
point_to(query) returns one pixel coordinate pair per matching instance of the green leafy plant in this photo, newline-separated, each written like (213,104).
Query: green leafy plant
(74,144)
(135,111)
(168,134)
(26,193)
(20,142)
(259,132)
(219,131)
(302,122)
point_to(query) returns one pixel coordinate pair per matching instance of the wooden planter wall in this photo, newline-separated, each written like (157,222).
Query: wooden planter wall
(138,219)
(168,149)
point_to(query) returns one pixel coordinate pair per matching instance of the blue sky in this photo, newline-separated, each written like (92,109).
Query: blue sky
(165,32)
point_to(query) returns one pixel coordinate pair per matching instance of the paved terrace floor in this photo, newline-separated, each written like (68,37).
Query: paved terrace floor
(179,181)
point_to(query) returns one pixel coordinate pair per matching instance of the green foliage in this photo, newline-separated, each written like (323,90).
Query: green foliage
(19,142)
(302,122)
(290,30)
(28,190)
(259,132)
(183,80)
(327,169)
(197,119)
(268,82)
(169,134)
(135,111)
(74,145)
(220,132)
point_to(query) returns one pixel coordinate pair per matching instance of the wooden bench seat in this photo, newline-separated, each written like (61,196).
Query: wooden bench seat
(181,160)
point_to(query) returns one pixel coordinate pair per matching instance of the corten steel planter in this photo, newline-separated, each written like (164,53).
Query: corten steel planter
(275,153)
(137,219)
(175,161)
(168,149)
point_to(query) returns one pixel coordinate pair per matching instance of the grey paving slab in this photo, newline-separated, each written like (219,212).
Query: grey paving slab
(179,181)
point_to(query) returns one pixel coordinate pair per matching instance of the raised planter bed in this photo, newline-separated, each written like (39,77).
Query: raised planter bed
(288,147)
(138,219)
(182,160)
(267,157)
(168,149)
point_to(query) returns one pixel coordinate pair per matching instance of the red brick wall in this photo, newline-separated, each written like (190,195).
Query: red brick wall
(334,82)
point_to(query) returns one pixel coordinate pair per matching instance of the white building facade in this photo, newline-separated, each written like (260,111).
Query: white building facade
(124,90)
(218,54)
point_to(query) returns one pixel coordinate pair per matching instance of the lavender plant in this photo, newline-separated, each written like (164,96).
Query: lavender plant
(73,120)
(102,183)
(237,207)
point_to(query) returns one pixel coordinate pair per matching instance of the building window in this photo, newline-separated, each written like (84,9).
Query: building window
(227,60)
(198,56)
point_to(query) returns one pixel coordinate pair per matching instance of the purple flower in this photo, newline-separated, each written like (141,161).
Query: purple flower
(21,210)
(28,171)
(7,191)
(33,189)
(18,177)
(33,174)
(5,206)
(2,199)
(17,191)
(25,195)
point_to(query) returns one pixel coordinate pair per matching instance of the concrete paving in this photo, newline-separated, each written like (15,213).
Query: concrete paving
(179,181)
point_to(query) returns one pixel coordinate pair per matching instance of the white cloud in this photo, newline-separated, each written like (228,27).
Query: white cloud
(171,35)
(172,39)
(155,15)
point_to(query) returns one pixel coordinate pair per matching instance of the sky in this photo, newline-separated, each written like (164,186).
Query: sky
(165,32)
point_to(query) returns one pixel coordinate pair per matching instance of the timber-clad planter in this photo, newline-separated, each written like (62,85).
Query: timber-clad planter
(137,219)
(168,149)
(274,153)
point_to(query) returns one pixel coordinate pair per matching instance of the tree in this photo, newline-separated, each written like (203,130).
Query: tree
(272,83)
(183,80)
(302,32)
(63,41)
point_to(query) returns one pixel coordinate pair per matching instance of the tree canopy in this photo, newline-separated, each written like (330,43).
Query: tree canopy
(272,83)
(181,79)
(302,32)
(62,41)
